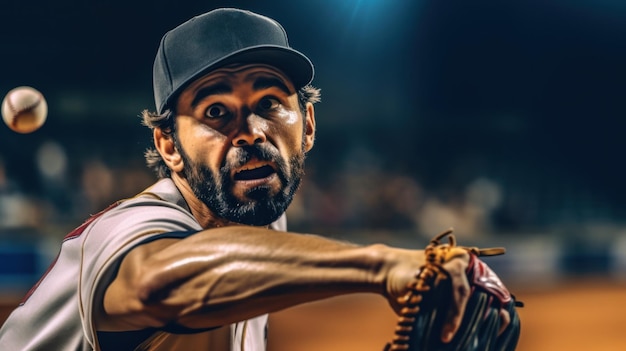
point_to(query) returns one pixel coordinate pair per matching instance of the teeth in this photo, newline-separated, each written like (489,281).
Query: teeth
(252,165)
(251,173)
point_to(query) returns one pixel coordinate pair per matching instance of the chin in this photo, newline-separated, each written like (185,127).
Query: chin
(258,211)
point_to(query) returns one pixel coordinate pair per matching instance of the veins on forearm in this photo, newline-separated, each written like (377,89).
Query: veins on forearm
(218,274)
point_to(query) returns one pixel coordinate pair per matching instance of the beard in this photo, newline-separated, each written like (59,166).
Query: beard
(261,207)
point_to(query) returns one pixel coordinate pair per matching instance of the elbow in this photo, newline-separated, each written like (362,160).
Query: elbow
(138,302)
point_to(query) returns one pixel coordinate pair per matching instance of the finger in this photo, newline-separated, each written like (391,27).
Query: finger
(505,320)
(455,318)
(460,295)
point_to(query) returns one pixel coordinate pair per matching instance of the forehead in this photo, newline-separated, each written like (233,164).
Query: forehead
(241,74)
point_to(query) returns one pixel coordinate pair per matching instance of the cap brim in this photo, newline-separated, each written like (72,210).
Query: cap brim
(293,63)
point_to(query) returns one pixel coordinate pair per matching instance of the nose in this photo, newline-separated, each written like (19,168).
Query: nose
(251,132)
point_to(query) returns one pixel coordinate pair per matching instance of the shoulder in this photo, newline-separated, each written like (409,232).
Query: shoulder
(157,210)
(160,205)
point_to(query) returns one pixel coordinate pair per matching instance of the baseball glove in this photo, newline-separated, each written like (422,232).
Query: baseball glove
(425,307)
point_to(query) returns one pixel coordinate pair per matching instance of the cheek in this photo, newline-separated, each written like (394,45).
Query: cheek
(289,117)
(289,139)
(289,129)
(205,145)
(204,134)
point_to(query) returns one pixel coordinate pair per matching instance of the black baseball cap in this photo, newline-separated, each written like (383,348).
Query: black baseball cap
(218,38)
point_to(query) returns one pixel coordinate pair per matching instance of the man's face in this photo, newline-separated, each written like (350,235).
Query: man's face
(242,138)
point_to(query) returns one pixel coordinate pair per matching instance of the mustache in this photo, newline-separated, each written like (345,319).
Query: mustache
(244,154)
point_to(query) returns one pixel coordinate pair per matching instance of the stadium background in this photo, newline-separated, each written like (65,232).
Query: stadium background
(503,119)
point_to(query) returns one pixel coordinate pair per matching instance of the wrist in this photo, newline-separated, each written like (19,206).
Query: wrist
(400,268)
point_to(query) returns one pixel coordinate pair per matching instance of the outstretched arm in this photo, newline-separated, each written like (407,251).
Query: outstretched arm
(229,274)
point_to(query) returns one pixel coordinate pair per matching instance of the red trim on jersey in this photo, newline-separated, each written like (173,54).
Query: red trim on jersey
(80,229)
(71,235)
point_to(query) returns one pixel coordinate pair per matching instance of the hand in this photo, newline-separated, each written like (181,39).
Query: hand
(408,265)
(455,302)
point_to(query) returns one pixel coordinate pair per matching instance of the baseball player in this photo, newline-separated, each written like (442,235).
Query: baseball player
(199,259)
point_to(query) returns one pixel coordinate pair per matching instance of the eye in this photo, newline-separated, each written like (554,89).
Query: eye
(216,111)
(268,103)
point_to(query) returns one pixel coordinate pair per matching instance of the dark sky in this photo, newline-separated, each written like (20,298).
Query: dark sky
(455,58)
(541,82)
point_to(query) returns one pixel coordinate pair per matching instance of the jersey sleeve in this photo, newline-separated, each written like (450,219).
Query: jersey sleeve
(110,237)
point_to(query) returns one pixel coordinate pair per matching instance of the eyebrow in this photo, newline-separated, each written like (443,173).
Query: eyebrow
(210,90)
(222,88)
(270,82)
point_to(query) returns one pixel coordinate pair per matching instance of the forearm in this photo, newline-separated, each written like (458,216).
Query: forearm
(233,273)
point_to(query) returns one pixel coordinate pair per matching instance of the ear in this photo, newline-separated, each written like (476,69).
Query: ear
(164,143)
(309,127)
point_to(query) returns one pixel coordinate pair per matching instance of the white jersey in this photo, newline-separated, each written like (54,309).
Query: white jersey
(58,312)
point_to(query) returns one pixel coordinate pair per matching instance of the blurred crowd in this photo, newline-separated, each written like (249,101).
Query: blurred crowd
(357,196)
(355,193)
(62,200)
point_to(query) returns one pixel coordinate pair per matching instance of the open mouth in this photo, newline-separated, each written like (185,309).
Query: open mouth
(254,173)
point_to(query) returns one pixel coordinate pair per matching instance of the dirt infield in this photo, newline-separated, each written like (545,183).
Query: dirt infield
(589,316)
(586,315)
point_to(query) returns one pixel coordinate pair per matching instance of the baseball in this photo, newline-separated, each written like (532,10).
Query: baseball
(24,109)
